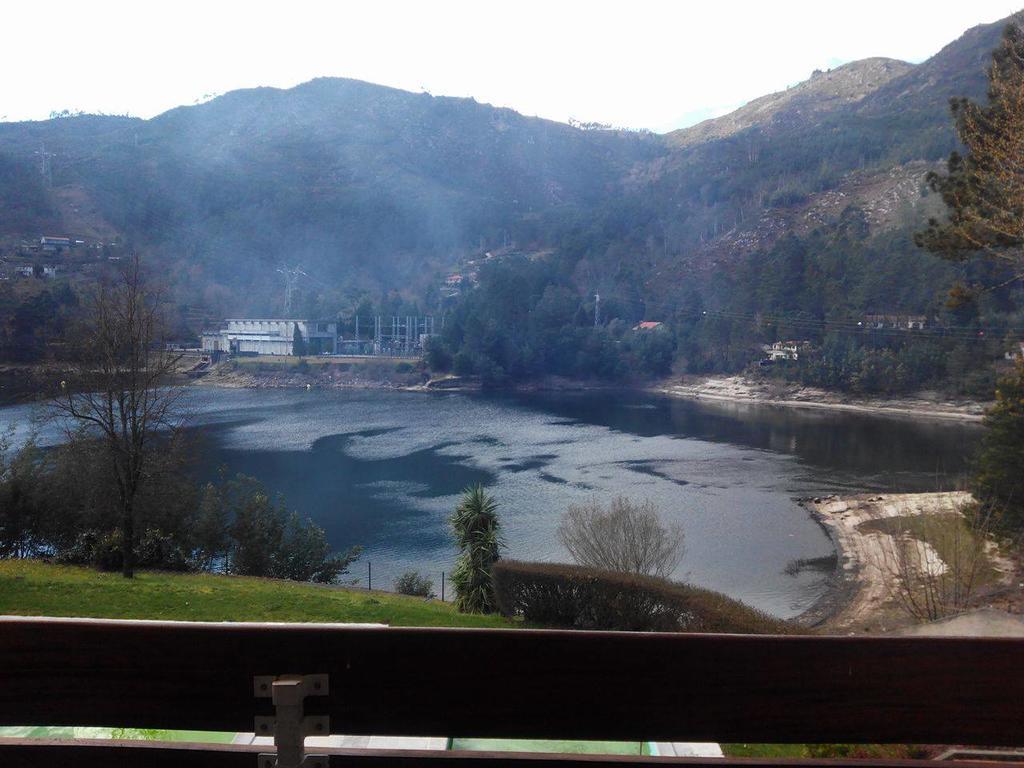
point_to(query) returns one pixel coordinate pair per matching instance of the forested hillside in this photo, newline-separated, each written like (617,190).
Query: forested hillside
(790,219)
(364,187)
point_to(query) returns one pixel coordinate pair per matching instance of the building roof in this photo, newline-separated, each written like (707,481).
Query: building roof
(276,320)
(646,325)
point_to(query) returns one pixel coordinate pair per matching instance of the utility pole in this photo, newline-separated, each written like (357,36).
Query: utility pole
(597,309)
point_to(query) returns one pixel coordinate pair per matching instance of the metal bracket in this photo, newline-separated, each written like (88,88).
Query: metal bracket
(290,726)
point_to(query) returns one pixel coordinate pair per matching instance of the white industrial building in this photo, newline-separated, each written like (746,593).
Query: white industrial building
(271,337)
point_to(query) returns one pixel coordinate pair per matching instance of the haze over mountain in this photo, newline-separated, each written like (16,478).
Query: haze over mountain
(372,188)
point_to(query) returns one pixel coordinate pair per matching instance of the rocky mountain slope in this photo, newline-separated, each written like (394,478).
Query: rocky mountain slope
(373,188)
(822,92)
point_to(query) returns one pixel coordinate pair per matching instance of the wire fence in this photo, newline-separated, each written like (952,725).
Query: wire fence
(439,589)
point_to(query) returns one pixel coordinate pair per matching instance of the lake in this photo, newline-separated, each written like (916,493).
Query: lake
(384,469)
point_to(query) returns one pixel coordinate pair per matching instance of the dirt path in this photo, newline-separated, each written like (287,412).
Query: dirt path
(747,390)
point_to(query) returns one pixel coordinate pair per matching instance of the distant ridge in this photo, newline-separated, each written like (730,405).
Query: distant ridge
(821,92)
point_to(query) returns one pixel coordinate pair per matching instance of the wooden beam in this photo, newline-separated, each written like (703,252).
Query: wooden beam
(520,683)
(32,753)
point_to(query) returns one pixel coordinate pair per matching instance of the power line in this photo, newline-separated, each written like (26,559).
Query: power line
(830,325)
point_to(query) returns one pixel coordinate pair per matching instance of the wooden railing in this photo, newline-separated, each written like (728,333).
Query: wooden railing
(497,683)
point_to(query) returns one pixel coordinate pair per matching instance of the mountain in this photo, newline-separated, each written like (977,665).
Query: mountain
(362,185)
(806,101)
(372,189)
(863,136)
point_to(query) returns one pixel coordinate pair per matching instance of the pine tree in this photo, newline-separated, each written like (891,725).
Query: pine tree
(984,187)
(999,480)
(298,342)
(476,527)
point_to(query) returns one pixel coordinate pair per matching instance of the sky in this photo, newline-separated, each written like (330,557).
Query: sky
(639,64)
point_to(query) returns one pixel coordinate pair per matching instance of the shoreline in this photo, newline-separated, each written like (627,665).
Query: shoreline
(742,390)
(738,390)
(386,375)
(860,595)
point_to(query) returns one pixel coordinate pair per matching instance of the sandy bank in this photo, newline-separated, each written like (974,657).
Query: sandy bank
(864,596)
(744,389)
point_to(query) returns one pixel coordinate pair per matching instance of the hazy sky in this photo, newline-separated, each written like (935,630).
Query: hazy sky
(655,65)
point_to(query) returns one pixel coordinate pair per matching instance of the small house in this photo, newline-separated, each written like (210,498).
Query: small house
(50,244)
(895,322)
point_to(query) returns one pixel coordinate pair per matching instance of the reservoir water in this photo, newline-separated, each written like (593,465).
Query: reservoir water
(385,469)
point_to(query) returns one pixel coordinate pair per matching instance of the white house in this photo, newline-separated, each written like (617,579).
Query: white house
(784,350)
(271,337)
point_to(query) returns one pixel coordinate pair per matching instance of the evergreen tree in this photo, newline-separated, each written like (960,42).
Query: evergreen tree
(984,188)
(476,527)
(999,480)
(298,343)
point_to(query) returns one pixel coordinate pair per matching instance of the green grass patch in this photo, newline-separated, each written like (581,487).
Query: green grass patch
(144,734)
(826,751)
(552,745)
(765,750)
(35,588)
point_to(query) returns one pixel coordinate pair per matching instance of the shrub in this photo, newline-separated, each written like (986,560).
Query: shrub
(81,550)
(626,536)
(403,367)
(159,550)
(411,583)
(437,355)
(462,364)
(107,554)
(102,550)
(575,597)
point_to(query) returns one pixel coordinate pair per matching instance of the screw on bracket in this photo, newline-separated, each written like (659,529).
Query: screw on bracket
(289,724)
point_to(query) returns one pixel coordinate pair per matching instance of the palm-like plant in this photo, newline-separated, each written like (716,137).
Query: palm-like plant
(476,527)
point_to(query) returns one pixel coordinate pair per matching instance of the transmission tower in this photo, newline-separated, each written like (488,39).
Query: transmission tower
(291,279)
(597,309)
(45,166)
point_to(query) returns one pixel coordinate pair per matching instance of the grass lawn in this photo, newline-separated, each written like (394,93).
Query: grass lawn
(35,588)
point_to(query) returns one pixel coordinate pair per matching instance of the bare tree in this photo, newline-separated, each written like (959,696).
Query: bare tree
(122,388)
(933,564)
(628,536)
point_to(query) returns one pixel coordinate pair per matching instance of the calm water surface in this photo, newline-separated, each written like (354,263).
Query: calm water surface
(384,469)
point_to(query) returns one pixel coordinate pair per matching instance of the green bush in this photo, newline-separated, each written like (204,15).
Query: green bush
(159,550)
(574,597)
(412,583)
(102,550)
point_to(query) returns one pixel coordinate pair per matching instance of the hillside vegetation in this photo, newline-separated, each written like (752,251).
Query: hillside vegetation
(791,218)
